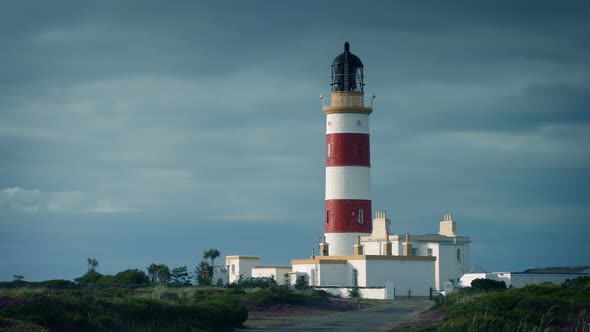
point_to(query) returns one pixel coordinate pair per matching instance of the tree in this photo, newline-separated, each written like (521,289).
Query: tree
(159,273)
(92,264)
(90,277)
(204,274)
(211,254)
(180,276)
(18,277)
(130,277)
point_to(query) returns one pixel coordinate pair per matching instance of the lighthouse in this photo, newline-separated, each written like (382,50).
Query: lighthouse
(348,158)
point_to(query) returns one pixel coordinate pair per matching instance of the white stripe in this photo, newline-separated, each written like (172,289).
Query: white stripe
(348,182)
(347,123)
(342,244)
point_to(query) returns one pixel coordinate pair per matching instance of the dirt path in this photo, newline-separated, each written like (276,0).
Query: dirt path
(380,318)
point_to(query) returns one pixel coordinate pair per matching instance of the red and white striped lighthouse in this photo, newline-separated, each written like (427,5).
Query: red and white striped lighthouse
(348,158)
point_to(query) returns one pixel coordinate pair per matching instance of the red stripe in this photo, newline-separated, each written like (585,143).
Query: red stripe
(342,216)
(348,150)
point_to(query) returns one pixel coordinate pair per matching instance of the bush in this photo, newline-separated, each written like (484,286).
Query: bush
(265,297)
(354,293)
(487,284)
(90,277)
(87,310)
(530,308)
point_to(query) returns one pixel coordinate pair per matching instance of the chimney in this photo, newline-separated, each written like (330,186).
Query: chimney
(407,247)
(358,247)
(324,248)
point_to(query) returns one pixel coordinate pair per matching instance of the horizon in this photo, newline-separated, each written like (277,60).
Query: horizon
(139,134)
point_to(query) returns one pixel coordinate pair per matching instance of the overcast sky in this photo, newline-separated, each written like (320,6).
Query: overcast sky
(140,131)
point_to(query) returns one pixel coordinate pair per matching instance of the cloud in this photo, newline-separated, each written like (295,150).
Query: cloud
(36,201)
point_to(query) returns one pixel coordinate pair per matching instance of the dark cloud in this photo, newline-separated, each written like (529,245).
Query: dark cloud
(207,117)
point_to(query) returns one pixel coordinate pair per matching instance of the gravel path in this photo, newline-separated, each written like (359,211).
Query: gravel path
(380,318)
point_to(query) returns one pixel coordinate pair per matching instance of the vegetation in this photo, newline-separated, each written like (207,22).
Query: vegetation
(204,274)
(487,284)
(159,274)
(544,307)
(204,271)
(180,276)
(145,309)
(131,300)
(98,307)
(160,300)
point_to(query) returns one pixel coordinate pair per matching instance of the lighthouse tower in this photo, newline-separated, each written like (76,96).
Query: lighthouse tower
(348,162)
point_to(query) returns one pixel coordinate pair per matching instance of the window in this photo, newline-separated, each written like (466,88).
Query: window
(355,278)
(329,151)
(413,251)
(429,251)
(313,277)
(233,268)
(361,217)
(327,217)
(458,255)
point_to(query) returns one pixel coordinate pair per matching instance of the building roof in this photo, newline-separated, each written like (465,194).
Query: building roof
(423,238)
(439,238)
(557,270)
(345,259)
(348,58)
(241,257)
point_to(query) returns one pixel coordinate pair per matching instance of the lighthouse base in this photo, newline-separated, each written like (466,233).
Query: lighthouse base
(342,244)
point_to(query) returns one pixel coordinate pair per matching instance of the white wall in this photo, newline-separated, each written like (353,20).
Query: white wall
(407,275)
(365,293)
(275,272)
(361,266)
(303,270)
(448,266)
(348,182)
(243,266)
(347,123)
(333,275)
(371,248)
(220,272)
(342,244)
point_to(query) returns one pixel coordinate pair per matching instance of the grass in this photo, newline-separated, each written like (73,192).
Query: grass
(112,308)
(37,307)
(545,307)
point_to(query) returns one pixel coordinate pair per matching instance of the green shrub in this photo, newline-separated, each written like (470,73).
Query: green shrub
(170,297)
(487,284)
(534,307)
(265,297)
(354,293)
(86,310)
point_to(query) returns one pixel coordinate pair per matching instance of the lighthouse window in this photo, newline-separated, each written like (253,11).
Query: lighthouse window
(327,217)
(361,220)
(329,152)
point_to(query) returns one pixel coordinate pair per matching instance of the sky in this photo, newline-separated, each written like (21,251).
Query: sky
(141,132)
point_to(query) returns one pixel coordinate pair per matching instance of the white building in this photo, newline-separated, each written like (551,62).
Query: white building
(240,266)
(556,275)
(413,264)
(277,272)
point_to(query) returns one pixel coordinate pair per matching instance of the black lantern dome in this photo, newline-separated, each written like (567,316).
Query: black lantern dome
(347,72)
